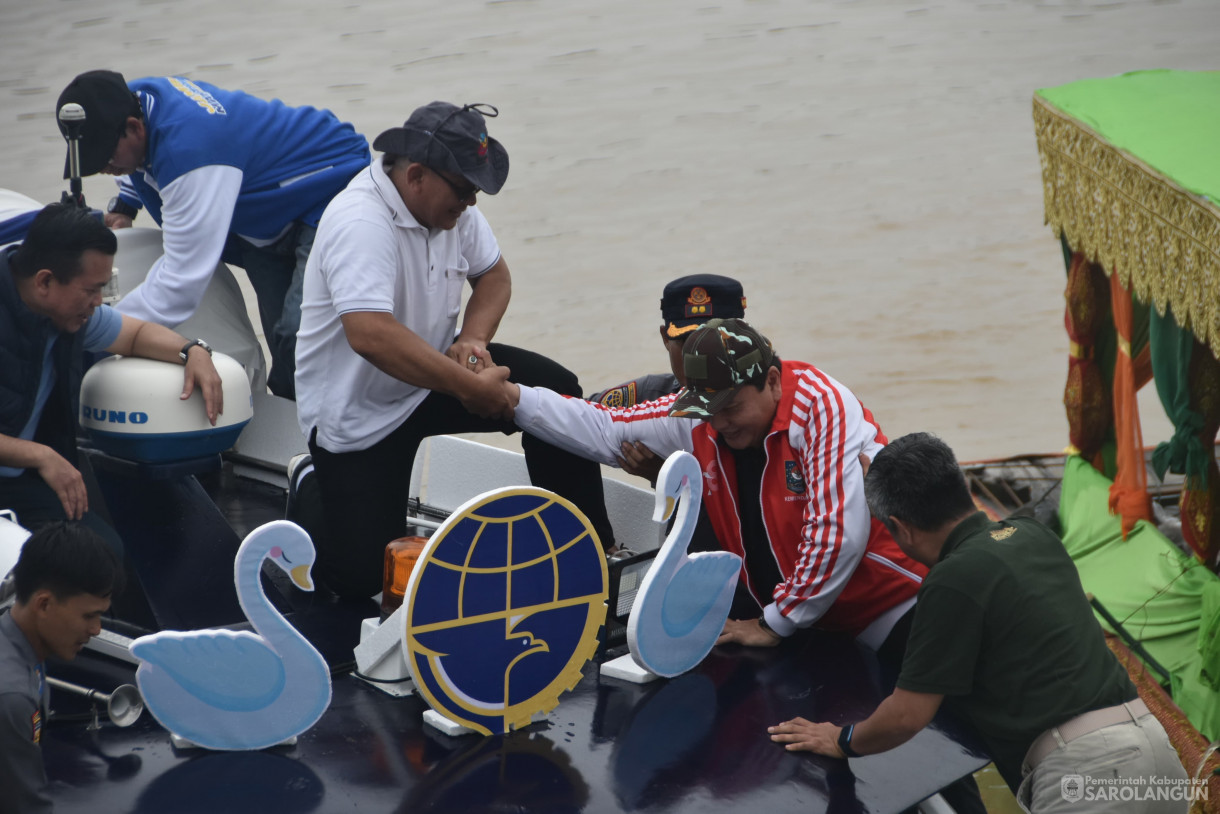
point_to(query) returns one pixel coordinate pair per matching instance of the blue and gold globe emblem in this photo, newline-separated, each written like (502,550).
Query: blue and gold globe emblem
(503,608)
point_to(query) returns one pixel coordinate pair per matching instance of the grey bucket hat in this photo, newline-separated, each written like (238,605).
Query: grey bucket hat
(444,136)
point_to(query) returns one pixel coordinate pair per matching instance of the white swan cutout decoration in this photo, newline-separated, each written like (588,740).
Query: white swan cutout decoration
(684,598)
(230,690)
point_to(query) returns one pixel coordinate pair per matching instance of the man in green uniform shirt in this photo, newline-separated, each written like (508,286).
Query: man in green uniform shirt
(1003,629)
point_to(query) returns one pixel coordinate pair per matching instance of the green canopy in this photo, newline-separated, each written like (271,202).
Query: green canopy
(1170,120)
(1131,179)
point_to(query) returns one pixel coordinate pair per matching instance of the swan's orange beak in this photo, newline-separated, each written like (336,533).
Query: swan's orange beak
(669,507)
(300,575)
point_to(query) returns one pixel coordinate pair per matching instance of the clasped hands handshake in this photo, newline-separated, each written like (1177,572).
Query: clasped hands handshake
(489,394)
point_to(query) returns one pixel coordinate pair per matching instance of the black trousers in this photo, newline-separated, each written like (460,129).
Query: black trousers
(36,504)
(364,493)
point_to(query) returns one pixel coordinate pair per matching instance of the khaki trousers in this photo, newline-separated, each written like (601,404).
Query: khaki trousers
(1127,768)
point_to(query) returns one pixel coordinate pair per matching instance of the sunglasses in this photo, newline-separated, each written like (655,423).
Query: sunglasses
(463,193)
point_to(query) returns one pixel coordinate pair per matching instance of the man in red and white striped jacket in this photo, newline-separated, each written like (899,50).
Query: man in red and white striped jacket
(780,446)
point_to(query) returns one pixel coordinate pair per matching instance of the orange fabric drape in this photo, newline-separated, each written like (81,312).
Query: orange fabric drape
(1129,493)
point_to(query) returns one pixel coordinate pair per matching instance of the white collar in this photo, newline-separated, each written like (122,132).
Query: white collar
(389,193)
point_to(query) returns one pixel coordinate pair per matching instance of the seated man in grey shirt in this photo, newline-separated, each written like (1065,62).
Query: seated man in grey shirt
(64,579)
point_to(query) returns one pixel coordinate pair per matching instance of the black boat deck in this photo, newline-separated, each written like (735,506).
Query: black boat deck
(694,743)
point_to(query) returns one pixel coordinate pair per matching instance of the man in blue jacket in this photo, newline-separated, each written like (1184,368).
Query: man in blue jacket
(212,167)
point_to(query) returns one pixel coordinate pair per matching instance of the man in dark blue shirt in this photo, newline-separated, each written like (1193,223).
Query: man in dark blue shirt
(51,314)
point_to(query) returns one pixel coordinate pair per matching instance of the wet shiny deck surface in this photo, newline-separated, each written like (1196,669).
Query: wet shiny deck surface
(694,743)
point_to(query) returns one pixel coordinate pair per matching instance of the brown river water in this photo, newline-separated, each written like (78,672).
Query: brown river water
(867,168)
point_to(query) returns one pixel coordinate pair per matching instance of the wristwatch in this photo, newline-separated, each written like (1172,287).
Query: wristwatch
(118,206)
(762,623)
(186,349)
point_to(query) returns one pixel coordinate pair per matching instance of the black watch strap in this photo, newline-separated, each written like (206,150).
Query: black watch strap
(118,206)
(845,741)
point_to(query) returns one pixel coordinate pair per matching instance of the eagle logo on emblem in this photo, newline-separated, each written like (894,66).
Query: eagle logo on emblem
(1004,533)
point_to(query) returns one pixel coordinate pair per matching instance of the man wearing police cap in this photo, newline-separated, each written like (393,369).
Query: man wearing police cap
(382,362)
(686,304)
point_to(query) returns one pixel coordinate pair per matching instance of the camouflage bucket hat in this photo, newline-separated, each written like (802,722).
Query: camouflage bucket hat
(719,359)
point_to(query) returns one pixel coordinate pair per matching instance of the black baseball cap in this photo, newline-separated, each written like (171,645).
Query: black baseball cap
(444,136)
(719,359)
(107,102)
(688,302)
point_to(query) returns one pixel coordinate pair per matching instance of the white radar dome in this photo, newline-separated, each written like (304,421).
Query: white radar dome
(132,410)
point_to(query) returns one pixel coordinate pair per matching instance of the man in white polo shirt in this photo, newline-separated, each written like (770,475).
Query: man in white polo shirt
(381,362)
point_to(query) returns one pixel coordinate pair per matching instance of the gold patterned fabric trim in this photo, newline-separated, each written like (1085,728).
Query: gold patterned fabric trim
(1162,241)
(1190,745)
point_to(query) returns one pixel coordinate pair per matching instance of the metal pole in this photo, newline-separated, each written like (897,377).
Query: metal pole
(123,706)
(1131,641)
